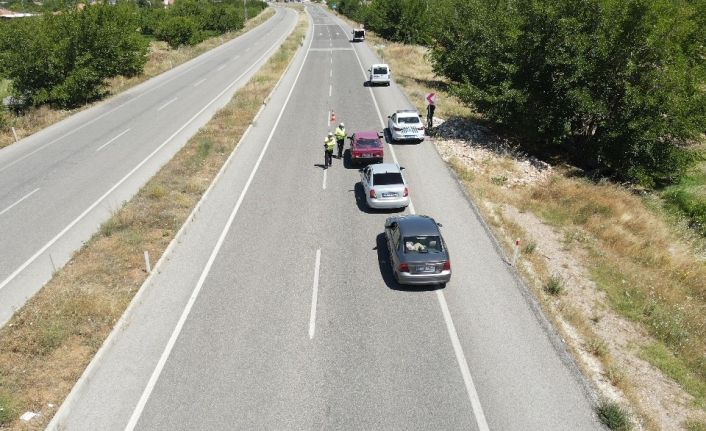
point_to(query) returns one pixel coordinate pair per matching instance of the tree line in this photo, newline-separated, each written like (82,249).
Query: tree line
(63,58)
(616,85)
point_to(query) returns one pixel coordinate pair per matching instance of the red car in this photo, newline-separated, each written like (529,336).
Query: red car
(367,147)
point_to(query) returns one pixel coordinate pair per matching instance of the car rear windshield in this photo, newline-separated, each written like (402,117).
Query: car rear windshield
(422,244)
(387,179)
(369,143)
(409,120)
(380,71)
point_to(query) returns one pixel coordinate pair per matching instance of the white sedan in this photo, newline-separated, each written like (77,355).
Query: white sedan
(406,125)
(384,186)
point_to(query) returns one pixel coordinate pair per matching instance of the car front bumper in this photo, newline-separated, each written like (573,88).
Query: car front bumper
(420,279)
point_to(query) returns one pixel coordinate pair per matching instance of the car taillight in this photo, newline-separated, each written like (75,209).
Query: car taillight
(373,195)
(403,267)
(378,154)
(406,192)
(447,265)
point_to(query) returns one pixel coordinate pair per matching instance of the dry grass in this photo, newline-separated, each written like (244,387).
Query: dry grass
(160,59)
(49,342)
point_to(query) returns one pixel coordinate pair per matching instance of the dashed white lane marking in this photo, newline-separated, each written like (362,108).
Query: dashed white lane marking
(167,104)
(328,119)
(18,201)
(324,184)
(199,82)
(221,67)
(137,412)
(236,57)
(112,140)
(314,295)
(476,406)
(330,74)
(330,89)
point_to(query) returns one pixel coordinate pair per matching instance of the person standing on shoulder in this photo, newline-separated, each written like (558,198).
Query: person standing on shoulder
(340,138)
(329,144)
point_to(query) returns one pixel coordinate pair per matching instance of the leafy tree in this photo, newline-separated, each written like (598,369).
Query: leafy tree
(176,30)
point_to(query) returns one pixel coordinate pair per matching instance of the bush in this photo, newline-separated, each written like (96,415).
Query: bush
(613,416)
(176,31)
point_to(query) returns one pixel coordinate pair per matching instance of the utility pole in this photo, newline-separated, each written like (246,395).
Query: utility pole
(245,10)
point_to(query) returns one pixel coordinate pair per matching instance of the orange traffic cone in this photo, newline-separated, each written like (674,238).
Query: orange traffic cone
(333,117)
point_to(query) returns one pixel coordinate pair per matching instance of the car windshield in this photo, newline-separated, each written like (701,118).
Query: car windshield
(387,179)
(422,244)
(368,143)
(380,71)
(409,120)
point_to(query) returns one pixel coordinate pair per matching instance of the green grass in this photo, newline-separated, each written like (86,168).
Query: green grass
(554,286)
(4,88)
(658,355)
(7,409)
(688,197)
(613,416)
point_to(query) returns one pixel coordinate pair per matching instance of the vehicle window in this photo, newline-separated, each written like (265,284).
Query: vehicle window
(422,244)
(369,143)
(396,237)
(409,120)
(380,71)
(394,118)
(387,179)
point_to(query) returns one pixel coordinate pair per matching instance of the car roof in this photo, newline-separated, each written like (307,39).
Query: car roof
(407,113)
(367,134)
(381,168)
(417,225)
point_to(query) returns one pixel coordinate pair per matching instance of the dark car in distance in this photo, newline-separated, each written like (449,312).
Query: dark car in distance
(418,253)
(367,147)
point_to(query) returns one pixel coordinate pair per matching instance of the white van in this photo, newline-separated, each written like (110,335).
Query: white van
(379,74)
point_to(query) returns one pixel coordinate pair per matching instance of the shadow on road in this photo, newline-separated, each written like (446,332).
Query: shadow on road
(386,270)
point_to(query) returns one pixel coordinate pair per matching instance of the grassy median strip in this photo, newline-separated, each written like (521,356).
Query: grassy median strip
(161,59)
(50,341)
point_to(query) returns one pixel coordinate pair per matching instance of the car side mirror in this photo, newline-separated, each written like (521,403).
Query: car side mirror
(360,170)
(402,168)
(440,225)
(388,116)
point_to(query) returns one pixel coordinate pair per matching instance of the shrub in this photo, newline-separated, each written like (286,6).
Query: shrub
(176,30)
(554,286)
(613,416)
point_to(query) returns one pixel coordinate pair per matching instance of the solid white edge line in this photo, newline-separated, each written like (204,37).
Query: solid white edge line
(476,406)
(112,140)
(314,295)
(129,174)
(167,104)
(200,82)
(324,185)
(119,326)
(461,359)
(137,412)
(20,200)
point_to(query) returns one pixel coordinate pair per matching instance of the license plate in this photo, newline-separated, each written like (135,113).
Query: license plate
(389,195)
(426,268)
(367,155)
(409,131)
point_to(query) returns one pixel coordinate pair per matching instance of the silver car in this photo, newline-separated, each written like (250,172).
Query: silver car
(384,186)
(418,253)
(405,125)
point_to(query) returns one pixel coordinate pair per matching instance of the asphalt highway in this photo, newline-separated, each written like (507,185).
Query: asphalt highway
(59,184)
(277,309)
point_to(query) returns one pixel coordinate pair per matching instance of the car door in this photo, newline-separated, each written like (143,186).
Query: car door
(394,245)
(365,180)
(391,122)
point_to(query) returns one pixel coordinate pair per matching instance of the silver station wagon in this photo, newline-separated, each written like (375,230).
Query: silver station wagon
(418,253)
